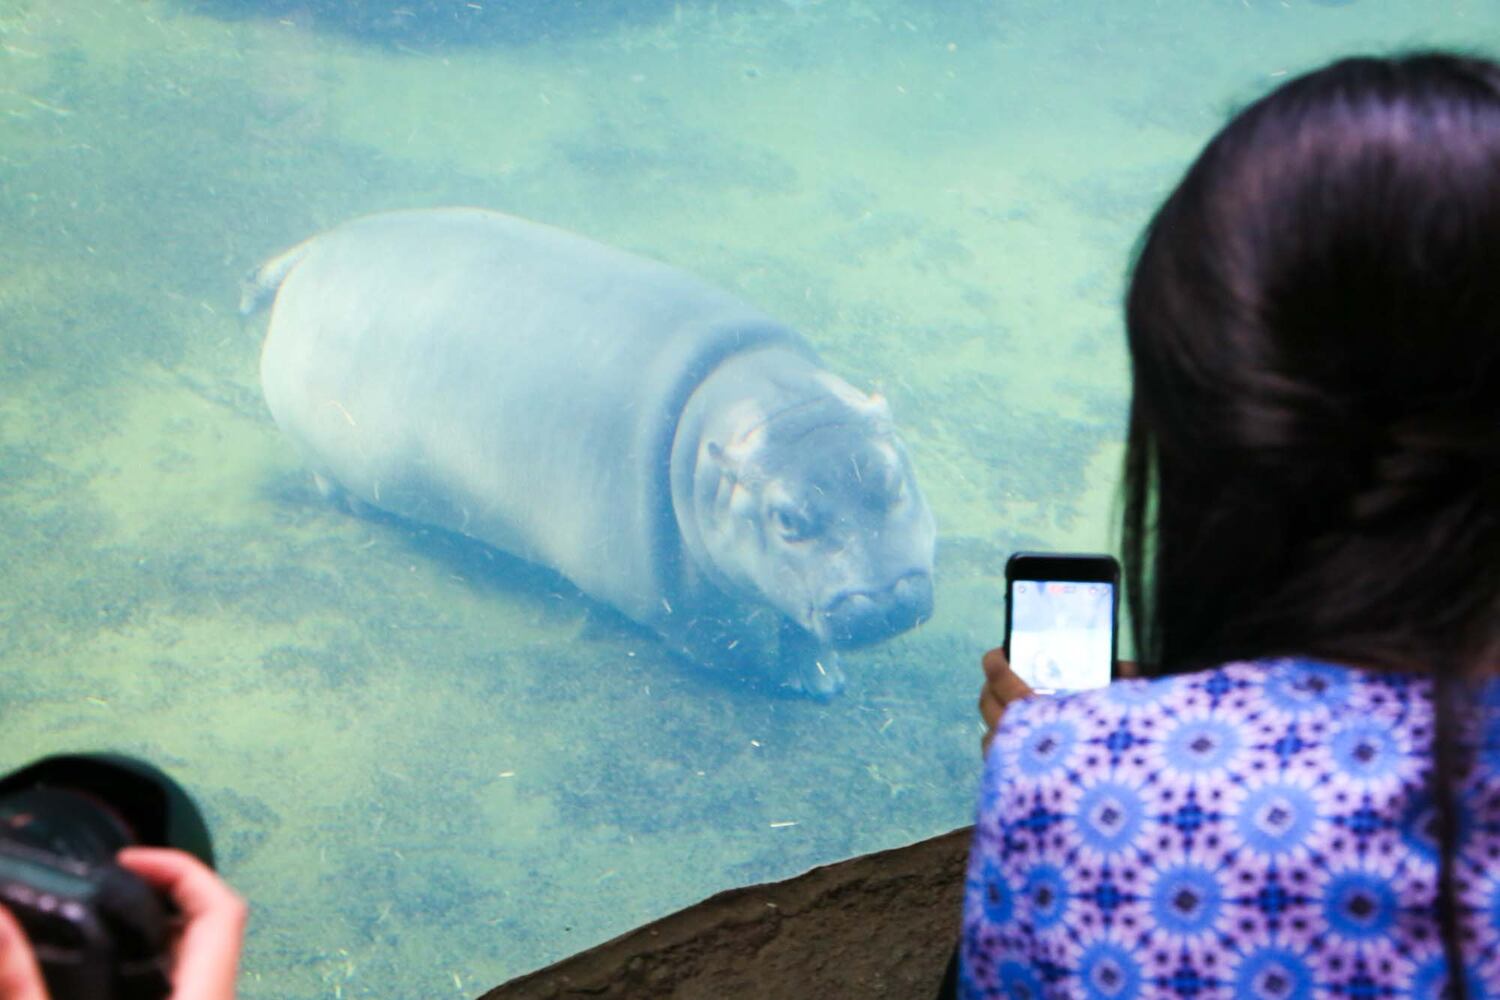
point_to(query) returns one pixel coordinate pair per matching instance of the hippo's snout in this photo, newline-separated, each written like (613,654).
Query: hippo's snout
(864,617)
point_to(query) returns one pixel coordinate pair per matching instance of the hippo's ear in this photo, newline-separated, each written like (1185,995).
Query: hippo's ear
(722,461)
(873,407)
(876,407)
(734,458)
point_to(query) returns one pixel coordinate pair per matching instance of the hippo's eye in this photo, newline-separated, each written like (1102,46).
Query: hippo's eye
(895,485)
(792,524)
(887,491)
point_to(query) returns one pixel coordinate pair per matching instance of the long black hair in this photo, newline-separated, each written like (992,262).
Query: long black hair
(1313,458)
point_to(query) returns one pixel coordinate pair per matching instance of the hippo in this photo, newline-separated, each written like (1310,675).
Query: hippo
(672,451)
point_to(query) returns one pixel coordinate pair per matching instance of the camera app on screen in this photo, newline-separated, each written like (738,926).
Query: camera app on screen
(1060,634)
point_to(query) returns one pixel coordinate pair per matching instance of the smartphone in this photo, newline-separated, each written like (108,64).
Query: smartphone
(1062,613)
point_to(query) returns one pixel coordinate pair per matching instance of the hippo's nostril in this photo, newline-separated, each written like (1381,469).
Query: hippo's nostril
(914,591)
(860,618)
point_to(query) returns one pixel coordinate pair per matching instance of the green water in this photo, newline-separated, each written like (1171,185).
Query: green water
(431,770)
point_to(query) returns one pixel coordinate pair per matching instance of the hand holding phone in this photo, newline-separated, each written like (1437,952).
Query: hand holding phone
(1001,688)
(1061,620)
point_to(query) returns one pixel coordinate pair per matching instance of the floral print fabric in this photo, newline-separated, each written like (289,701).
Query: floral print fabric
(1259,831)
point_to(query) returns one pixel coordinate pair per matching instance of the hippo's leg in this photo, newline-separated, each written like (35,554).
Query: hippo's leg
(724,643)
(806,665)
(335,494)
(763,650)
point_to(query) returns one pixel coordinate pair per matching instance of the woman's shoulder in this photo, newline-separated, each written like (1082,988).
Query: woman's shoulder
(1289,686)
(1205,721)
(1140,812)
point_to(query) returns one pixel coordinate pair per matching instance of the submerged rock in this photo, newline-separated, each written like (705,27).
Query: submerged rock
(425,23)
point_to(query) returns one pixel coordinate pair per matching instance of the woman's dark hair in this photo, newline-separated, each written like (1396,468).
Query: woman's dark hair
(1313,459)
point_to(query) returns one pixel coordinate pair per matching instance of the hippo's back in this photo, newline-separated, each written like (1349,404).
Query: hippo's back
(501,378)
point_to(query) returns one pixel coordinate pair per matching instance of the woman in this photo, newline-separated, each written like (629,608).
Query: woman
(1304,798)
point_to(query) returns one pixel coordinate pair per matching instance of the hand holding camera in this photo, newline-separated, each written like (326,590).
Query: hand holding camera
(107,890)
(206,954)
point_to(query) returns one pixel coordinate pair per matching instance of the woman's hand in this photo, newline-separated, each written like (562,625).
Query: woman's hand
(1001,687)
(206,954)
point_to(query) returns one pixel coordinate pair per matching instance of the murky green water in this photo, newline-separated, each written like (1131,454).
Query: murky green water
(432,770)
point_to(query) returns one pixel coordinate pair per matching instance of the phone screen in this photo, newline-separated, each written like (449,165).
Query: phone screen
(1061,634)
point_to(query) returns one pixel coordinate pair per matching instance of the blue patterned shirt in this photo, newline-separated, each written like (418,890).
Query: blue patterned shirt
(1259,830)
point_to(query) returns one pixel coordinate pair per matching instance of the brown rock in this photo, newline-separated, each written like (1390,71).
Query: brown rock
(879,925)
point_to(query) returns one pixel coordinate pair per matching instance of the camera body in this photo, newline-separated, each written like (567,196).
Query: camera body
(99,931)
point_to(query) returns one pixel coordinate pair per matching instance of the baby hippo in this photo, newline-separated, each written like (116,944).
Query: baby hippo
(667,448)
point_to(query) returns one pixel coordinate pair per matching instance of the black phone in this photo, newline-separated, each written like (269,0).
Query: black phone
(1062,613)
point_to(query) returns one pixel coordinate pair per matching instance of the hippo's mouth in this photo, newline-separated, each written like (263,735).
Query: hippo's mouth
(856,618)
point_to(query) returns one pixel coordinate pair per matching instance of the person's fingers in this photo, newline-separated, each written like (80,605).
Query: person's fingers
(192,885)
(990,708)
(1001,687)
(995,662)
(20,977)
(208,952)
(1001,680)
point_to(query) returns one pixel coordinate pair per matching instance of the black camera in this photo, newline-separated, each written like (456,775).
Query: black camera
(99,931)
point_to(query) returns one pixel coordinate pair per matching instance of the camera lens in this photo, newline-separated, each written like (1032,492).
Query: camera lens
(88,806)
(64,823)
